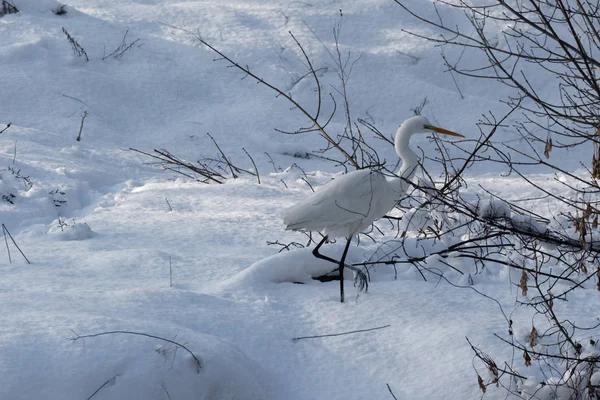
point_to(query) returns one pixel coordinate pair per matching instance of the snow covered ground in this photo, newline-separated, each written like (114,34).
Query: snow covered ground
(115,244)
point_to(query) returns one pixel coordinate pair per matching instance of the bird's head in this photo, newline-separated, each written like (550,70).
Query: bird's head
(420,124)
(417,124)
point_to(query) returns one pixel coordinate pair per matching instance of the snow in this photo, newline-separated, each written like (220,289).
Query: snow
(117,245)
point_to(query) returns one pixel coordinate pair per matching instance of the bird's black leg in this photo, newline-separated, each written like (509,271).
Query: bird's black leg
(341,263)
(342,269)
(321,256)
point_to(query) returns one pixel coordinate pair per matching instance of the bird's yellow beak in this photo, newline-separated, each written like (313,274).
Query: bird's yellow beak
(442,130)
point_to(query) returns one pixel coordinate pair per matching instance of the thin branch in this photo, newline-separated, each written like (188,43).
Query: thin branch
(199,364)
(339,334)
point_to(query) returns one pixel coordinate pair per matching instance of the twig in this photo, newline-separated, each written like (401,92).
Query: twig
(316,125)
(121,48)
(7,126)
(162,384)
(169,204)
(229,164)
(390,389)
(76,47)
(104,384)
(8,8)
(172,163)
(5,229)
(7,248)
(253,163)
(198,362)
(339,334)
(85,114)
(74,98)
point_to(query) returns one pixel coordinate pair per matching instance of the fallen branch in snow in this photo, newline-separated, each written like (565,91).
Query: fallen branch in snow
(5,230)
(196,359)
(339,334)
(169,162)
(111,380)
(210,170)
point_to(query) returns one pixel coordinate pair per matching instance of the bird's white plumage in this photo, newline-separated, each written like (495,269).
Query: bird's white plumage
(350,203)
(347,205)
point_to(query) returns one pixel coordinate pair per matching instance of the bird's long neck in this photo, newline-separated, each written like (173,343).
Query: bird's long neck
(410,161)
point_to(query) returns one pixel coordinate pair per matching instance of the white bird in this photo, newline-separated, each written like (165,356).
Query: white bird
(349,204)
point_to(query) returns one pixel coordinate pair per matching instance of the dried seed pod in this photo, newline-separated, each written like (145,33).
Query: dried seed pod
(582,232)
(523,283)
(533,336)
(548,147)
(527,359)
(481,384)
(588,212)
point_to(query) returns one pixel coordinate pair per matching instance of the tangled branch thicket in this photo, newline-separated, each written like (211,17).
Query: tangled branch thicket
(445,233)
(547,53)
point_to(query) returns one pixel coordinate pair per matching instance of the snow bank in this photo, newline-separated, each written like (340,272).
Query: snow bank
(76,231)
(297,266)
(125,366)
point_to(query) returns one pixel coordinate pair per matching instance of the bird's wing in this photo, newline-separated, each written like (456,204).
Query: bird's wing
(343,205)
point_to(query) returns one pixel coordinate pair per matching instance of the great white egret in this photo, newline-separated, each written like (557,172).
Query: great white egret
(349,204)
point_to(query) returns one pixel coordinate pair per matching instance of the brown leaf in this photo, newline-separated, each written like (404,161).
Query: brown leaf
(548,147)
(527,359)
(550,303)
(595,222)
(598,275)
(533,337)
(481,384)
(588,212)
(493,369)
(523,283)
(582,232)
